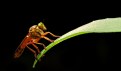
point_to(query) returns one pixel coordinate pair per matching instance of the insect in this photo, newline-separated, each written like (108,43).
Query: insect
(35,33)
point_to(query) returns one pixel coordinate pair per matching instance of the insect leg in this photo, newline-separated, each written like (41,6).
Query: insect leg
(50,34)
(33,51)
(47,39)
(36,48)
(42,45)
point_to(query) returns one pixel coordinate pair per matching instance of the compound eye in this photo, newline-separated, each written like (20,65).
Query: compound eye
(40,24)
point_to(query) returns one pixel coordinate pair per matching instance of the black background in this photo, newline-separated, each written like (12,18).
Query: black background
(85,52)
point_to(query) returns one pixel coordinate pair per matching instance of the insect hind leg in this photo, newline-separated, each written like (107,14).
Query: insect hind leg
(33,51)
(36,48)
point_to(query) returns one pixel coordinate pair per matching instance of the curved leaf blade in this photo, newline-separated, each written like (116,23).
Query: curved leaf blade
(107,25)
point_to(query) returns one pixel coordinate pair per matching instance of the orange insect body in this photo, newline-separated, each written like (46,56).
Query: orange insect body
(21,47)
(25,41)
(36,32)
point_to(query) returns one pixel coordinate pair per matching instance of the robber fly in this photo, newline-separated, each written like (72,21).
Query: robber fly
(36,32)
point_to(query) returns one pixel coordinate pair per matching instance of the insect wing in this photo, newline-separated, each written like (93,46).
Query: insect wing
(21,47)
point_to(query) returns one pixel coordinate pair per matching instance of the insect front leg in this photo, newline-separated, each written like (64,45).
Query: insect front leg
(50,34)
(47,38)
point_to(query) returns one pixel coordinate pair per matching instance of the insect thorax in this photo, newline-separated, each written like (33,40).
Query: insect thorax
(35,31)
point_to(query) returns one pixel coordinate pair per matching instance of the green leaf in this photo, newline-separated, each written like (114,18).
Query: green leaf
(107,25)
